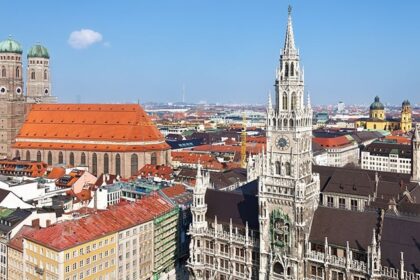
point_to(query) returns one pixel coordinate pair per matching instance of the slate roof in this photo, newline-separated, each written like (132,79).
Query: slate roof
(341,226)
(8,222)
(385,149)
(239,207)
(400,235)
(362,182)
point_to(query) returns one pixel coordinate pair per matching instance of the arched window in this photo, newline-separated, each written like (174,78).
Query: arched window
(278,167)
(45,75)
(38,156)
(288,171)
(28,155)
(134,164)
(33,75)
(153,158)
(274,122)
(286,70)
(285,101)
(94,164)
(118,164)
(284,123)
(3,72)
(292,69)
(83,159)
(17,72)
(17,154)
(106,163)
(291,123)
(60,158)
(294,103)
(278,268)
(49,158)
(71,159)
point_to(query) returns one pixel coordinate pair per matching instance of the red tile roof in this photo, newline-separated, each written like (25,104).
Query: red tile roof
(56,173)
(113,123)
(332,141)
(161,171)
(17,241)
(174,190)
(69,234)
(23,167)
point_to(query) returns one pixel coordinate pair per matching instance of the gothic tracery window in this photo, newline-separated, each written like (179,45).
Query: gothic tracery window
(94,164)
(106,163)
(288,171)
(294,101)
(118,164)
(284,101)
(278,167)
(83,159)
(134,164)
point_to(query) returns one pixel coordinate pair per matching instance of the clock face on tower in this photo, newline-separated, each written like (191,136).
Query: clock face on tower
(282,142)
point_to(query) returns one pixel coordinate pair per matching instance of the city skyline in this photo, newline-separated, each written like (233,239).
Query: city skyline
(146,52)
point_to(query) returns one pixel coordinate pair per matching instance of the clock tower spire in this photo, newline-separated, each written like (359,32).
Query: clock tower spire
(288,193)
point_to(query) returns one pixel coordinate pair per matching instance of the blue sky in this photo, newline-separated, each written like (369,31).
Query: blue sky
(222,50)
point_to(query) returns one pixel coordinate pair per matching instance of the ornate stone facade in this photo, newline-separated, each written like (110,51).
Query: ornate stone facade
(274,227)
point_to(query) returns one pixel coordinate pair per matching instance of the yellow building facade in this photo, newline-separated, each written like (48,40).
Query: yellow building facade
(95,259)
(377,119)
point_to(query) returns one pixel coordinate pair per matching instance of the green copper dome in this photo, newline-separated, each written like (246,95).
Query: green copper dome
(406,103)
(38,51)
(377,105)
(10,46)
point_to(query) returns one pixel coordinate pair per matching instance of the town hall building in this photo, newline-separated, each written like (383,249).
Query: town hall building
(281,226)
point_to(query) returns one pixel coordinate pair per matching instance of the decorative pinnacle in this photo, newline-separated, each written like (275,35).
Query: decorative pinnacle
(290,10)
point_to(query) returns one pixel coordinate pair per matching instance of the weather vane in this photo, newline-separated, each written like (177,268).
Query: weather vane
(290,9)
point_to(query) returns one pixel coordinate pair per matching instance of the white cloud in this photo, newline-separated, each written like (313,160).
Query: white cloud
(83,38)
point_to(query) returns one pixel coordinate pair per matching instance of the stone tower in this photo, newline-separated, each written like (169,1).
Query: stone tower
(288,191)
(415,162)
(38,83)
(12,101)
(406,122)
(199,223)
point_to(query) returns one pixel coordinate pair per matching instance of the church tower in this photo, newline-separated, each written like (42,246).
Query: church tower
(406,122)
(415,161)
(11,94)
(288,191)
(38,84)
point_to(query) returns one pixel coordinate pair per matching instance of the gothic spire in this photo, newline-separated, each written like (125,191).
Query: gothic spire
(289,44)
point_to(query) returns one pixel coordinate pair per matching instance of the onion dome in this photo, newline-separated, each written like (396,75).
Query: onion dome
(406,103)
(377,105)
(10,46)
(38,51)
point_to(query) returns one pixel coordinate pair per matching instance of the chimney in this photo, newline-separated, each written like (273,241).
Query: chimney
(35,223)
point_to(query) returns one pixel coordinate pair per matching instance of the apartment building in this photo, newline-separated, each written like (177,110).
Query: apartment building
(117,243)
(390,157)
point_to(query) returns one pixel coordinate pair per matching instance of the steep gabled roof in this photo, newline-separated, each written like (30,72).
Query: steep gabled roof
(239,207)
(340,226)
(117,127)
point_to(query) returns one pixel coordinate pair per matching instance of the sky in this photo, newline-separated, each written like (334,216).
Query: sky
(223,51)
